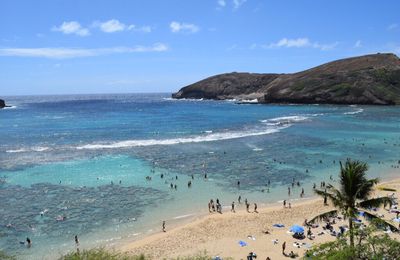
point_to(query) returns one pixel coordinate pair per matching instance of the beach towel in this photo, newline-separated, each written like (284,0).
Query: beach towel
(242,243)
(278,225)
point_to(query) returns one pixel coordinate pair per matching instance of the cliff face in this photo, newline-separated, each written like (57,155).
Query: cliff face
(370,79)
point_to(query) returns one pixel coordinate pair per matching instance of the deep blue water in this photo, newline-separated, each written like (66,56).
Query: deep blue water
(86,157)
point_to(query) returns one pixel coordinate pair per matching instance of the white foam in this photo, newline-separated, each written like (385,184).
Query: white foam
(183,99)
(40,149)
(254,148)
(10,107)
(360,110)
(249,101)
(17,151)
(23,150)
(183,216)
(316,114)
(271,126)
(284,120)
(193,139)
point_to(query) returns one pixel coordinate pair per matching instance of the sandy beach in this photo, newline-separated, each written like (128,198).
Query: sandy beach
(219,234)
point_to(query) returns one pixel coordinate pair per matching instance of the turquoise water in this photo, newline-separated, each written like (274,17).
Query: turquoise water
(87,157)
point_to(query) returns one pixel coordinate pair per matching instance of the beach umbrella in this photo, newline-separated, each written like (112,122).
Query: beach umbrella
(297,229)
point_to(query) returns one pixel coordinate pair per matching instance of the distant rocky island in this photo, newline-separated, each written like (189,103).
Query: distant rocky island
(368,80)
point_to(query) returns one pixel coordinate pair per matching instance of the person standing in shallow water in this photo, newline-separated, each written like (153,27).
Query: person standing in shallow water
(28,242)
(163,226)
(255,208)
(233,207)
(77,244)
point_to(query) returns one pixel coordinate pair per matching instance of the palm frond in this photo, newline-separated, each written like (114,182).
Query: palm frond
(366,188)
(333,195)
(376,202)
(323,216)
(373,216)
(352,178)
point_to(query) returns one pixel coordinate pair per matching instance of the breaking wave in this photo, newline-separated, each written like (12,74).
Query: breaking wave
(183,99)
(32,149)
(360,110)
(194,139)
(284,120)
(269,126)
(10,107)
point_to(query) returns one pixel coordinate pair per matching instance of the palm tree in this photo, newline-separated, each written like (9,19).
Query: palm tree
(353,193)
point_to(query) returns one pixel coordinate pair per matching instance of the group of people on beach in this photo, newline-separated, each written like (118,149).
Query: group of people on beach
(216,207)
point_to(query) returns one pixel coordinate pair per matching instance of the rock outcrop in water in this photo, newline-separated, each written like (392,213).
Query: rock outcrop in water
(2,103)
(370,79)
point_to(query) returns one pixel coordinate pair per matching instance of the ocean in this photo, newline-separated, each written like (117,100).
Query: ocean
(101,166)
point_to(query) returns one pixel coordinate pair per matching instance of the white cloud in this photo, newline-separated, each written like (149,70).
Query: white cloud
(221,3)
(299,43)
(357,44)
(238,3)
(325,47)
(111,26)
(392,26)
(72,27)
(145,29)
(65,53)
(177,27)
(115,25)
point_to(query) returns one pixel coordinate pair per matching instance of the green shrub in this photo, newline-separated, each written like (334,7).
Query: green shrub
(4,256)
(100,254)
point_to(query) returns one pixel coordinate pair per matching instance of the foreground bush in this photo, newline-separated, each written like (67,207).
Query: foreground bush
(103,254)
(371,244)
(200,256)
(4,256)
(100,254)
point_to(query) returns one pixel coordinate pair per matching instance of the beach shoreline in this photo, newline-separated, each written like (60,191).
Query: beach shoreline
(218,234)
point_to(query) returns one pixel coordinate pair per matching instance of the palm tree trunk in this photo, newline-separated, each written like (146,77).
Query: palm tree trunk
(351,233)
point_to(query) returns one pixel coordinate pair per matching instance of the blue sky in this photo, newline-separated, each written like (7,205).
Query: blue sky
(121,46)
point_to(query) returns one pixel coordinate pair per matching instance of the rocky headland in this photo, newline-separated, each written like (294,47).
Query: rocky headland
(369,80)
